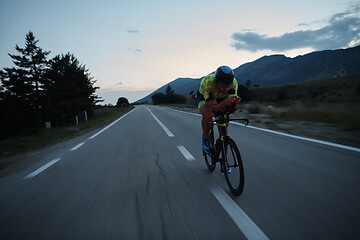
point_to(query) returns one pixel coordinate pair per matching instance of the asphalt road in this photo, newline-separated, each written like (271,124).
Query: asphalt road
(144,177)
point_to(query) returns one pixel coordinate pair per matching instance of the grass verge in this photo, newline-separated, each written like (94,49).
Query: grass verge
(46,137)
(346,116)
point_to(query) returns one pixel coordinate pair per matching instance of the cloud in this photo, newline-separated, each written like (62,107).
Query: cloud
(132,31)
(342,30)
(134,50)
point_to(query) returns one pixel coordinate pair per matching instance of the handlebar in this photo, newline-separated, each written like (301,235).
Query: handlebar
(226,111)
(222,116)
(224,120)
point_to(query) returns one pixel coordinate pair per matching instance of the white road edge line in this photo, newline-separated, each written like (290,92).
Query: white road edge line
(303,138)
(102,130)
(190,113)
(39,170)
(161,125)
(77,146)
(287,135)
(186,153)
(244,223)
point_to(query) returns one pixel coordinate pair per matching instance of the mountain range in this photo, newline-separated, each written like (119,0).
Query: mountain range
(279,69)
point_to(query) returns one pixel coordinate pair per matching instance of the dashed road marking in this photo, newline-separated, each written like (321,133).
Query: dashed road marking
(244,223)
(39,170)
(186,153)
(77,146)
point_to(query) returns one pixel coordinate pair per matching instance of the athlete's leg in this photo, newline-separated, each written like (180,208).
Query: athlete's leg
(207,115)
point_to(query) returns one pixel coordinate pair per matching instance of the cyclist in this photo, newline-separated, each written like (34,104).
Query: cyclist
(217,91)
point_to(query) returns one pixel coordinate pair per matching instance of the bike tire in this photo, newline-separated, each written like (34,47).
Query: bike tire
(235,180)
(210,161)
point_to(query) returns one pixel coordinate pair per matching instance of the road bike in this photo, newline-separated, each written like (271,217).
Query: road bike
(225,151)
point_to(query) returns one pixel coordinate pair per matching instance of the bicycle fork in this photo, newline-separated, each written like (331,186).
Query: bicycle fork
(222,159)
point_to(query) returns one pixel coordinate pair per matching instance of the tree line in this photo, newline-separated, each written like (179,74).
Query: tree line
(168,97)
(171,97)
(37,90)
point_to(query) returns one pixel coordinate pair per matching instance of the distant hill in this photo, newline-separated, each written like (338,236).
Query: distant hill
(333,90)
(180,86)
(279,69)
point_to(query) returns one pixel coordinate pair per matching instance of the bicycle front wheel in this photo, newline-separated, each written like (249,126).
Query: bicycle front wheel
(210,160)
(233,168)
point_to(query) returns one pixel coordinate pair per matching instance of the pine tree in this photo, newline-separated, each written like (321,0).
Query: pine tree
(22,93)
(70,89)
(248,84)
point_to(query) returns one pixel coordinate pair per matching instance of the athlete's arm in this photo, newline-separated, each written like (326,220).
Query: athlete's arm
(215,106)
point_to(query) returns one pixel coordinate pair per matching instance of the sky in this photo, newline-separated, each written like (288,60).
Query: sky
(133,47)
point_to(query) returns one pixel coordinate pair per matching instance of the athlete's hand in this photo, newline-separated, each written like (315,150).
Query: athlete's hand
(228,101)
(232,100)
(236,99)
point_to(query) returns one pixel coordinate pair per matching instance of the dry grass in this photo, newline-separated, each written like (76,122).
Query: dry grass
(347,116)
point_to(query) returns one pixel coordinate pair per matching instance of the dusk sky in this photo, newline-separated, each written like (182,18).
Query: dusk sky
(133,47)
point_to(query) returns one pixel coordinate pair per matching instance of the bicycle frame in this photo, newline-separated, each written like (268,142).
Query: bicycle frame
(222,130)
(222,123)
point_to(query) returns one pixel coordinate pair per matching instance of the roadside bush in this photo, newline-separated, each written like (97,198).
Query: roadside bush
(253,108)
(169,97)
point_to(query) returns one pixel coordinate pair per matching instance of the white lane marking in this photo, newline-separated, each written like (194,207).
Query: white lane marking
(96,134)
(244,223)
(77,146)
(186,153)
(36,172)
(161,125)
(287,135)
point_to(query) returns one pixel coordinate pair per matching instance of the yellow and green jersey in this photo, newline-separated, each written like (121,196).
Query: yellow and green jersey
(209,90)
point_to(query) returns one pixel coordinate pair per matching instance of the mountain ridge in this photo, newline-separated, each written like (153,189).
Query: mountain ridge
(278,69)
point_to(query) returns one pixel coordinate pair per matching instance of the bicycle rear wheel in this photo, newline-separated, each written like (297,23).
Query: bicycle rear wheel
(210,160)
(235,177)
